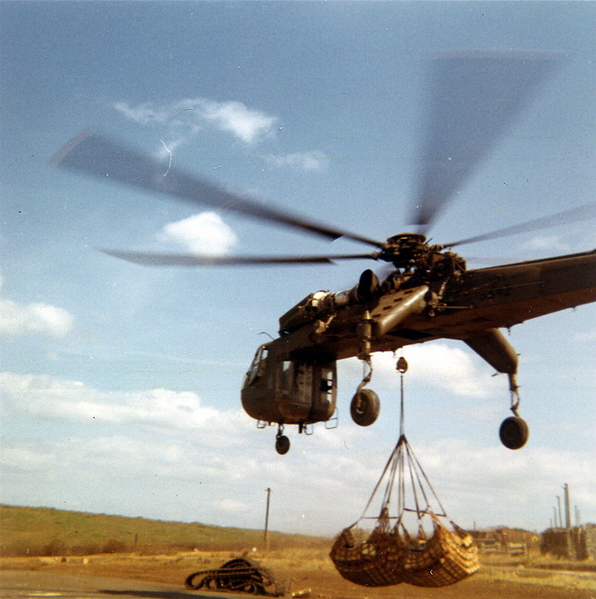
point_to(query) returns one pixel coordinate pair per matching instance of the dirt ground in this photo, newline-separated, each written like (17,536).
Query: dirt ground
(317,575)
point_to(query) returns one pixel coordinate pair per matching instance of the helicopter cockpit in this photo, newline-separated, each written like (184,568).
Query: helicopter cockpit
(280,390)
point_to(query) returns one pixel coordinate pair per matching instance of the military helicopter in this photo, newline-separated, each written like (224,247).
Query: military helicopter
(428,294)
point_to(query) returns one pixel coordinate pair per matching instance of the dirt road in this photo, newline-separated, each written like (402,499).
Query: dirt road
(157,579)
(37,585)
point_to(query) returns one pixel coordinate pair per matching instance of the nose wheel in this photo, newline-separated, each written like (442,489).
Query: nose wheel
(282,443)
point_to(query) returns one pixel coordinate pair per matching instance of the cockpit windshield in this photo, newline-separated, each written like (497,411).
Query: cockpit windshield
(257,366)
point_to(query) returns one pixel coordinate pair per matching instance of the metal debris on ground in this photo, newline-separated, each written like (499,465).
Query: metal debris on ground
(240,575)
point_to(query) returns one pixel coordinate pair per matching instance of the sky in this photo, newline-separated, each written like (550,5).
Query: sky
(120,384)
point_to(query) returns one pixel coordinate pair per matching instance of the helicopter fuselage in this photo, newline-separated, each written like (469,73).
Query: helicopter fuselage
(293,378)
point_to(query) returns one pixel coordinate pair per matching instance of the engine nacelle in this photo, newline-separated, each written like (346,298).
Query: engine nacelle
(321,303)
(309,309)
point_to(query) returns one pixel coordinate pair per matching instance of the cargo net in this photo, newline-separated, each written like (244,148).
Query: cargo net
(416,545)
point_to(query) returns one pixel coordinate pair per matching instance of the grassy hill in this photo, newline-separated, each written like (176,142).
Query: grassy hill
(47,531)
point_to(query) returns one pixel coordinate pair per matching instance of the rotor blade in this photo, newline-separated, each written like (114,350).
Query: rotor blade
(586,212)
(111,160)
(475,97)
(157,259)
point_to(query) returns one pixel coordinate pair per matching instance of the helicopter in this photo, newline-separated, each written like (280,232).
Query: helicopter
(428,294)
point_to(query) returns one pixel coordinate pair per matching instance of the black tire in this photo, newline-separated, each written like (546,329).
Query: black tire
(365,407)
(190,582)
(282,445)
(238,562)
(514,432)
(212,583)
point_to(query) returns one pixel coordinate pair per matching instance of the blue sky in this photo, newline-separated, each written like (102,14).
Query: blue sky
(120,384)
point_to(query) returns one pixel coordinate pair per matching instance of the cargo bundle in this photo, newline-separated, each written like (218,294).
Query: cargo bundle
(438,553)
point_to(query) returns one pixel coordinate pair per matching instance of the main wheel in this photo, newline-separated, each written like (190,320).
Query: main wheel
(282,445)
(514,432)
(365,407)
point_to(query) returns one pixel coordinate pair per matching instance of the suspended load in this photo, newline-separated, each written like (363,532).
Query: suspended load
(438,553)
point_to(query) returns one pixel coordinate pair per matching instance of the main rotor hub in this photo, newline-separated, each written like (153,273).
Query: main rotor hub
(411,253)
(406,250)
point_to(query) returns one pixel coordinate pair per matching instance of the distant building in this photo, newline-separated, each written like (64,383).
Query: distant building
(576,543)
(514,541)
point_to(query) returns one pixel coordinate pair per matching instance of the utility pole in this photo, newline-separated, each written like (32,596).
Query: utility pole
(266,538)
(567,510)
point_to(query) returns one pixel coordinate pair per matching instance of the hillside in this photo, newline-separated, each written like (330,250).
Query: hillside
(47,531)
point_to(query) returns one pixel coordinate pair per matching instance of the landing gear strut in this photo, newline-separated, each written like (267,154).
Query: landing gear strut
(282,443)
(514,431)
(365,405)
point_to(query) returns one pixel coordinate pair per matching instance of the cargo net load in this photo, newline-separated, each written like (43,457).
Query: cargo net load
(416,544)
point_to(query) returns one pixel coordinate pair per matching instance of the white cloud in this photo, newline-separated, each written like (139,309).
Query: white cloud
(248,125)
(143,113)
(588,335)
(517,488)
(188,461)
(57,399)
(455,370)
(232,505)
(302,161)
(16,319)
(544,243)
(203,233)
(452,369)
(185,118)
(23,457)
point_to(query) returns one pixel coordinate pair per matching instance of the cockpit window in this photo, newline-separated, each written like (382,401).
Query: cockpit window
(257,367)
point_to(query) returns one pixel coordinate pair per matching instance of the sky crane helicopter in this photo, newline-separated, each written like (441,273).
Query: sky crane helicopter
(429,293)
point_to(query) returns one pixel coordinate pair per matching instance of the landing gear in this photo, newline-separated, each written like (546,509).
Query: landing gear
(282,443)
(514,431)
(365,407)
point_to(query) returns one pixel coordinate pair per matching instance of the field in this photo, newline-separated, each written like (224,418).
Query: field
(299,562)
(46,532)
